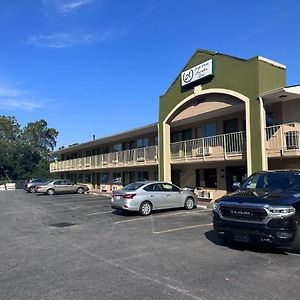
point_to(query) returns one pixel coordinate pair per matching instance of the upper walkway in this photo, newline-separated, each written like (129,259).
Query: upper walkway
(281,141)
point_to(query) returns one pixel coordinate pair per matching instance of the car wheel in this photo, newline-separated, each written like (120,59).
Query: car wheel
(146,208)
(297,239)
(31,190)
(189,203)
(80,190)
(50,192)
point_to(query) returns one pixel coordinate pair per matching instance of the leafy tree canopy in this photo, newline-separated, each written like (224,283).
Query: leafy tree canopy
(10,129)
(39,136)
(24,152)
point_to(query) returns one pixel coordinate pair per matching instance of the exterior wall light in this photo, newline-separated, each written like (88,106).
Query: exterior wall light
(222,173)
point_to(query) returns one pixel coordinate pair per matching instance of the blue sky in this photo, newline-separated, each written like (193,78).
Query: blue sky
(99,66)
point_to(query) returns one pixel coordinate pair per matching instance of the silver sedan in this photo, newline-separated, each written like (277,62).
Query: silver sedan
(146,196)
(61,186)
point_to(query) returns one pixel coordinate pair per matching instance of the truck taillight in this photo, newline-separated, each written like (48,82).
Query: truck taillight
(128,196)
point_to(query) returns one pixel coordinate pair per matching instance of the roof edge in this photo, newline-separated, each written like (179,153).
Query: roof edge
(102,139)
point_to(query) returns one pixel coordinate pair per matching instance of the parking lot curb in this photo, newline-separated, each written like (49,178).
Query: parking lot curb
(202,206)
(100,194)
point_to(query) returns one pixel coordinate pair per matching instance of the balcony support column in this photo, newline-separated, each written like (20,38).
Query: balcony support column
(263,134)
(165,152)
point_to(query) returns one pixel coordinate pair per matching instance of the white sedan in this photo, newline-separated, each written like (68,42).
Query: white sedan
(146,196)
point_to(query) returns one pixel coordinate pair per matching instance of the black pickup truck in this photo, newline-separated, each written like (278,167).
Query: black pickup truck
(265,209)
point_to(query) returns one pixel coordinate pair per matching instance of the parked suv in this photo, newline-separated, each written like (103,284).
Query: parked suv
(265,209)
(31,184)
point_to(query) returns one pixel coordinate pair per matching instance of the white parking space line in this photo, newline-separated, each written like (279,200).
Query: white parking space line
(100,213)
(74,208)
(82,204)
(184,213)
(291,253)
(181,228)
(78,200)
(131,257)
(132,220)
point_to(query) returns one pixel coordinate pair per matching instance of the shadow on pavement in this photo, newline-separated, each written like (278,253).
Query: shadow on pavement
(213,237)
(121,212)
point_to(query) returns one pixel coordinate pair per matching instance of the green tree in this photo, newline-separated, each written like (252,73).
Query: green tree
(24,160)
(25,153)
(10,129)
(6,166)
(40,137)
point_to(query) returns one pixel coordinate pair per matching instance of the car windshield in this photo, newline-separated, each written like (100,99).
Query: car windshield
(273,180)
(133,186)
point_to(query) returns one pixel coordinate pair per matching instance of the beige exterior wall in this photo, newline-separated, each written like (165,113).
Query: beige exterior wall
(214,104)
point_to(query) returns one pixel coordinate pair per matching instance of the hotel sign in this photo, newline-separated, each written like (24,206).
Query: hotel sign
(200,71)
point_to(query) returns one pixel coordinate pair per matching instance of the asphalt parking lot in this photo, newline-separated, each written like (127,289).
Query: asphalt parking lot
(77,247)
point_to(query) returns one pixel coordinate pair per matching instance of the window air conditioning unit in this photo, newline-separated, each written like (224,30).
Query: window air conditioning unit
(203,151)
(140,159)
(206,195)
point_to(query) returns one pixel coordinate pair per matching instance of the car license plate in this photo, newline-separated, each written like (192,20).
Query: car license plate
(118,197)
(241,237)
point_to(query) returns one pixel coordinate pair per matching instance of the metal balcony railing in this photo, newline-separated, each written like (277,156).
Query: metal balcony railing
(213,147)
(283,137)
(140,156)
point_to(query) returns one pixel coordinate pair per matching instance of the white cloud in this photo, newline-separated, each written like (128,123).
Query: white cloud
(75,4)
(65,7)
(23,104)
(64,40)
(8,91)
(15,98)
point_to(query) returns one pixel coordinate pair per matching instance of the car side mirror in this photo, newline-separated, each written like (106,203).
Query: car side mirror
(236,186)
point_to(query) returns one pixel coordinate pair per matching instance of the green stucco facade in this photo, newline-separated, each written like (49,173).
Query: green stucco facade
(247,77)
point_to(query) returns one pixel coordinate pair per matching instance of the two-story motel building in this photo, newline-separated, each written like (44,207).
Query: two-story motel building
(222,119)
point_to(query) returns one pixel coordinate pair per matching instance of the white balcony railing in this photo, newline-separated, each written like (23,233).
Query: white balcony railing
(213,147)
(283,138)
(140,156)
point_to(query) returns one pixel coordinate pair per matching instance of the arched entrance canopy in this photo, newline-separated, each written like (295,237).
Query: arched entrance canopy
(199,92)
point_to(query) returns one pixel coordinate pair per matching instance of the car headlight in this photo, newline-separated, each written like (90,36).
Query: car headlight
(216,207)
(282,211)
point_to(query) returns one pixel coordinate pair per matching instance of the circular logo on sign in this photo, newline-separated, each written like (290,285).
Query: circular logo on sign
(187,77)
